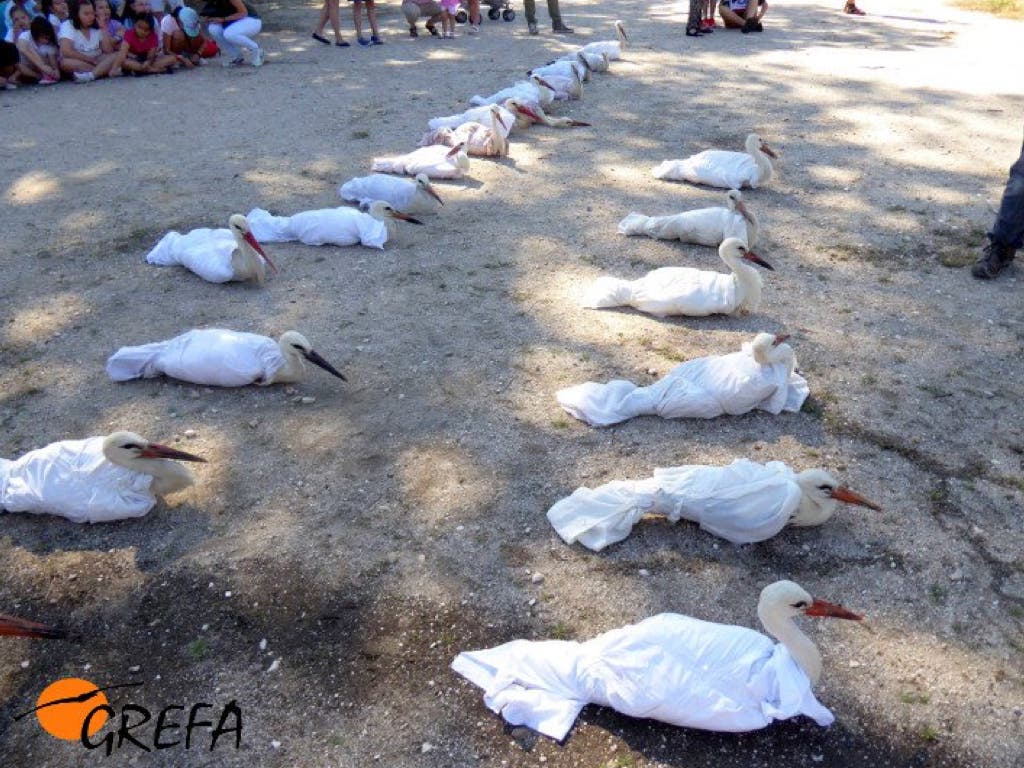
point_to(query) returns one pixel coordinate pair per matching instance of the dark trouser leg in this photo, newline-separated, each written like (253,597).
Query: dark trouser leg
(530,8)
(554,13)
(694,17)
(1008,229)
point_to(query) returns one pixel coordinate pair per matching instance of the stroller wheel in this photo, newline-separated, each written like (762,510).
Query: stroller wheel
(462,17)
(493,14)
(508,14)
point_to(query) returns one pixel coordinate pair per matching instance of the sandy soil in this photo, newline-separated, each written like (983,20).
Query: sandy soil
(371,535)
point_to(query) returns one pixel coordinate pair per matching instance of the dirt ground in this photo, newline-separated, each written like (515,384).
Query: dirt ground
(371,535)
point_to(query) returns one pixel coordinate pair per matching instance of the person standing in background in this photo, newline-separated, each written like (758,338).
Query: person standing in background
(530,6)
(329,12)
(1007,234)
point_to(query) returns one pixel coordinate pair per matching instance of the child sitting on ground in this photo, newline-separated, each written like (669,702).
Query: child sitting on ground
(140,51)
(182,36)
(8,66)
(38,49)
(56,12)
(113,27)
(86,52)
(19,23)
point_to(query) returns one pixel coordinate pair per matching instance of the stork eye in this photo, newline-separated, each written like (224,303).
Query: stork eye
(801,605)
(826,488)
(132,446)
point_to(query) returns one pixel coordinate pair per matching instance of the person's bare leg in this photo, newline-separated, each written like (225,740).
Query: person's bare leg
(321,22)
(357,19)
(729,17)
(334,15)
(371,14)
(105,65)
(474,13)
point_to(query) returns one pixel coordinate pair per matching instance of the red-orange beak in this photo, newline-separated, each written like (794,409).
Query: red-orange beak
(455,150)
(751,256)
(523,110)
(14,627)
(768,150)
(157,451)
(498,117)
(844,494)
(743,211)
(823,608)
(259,249)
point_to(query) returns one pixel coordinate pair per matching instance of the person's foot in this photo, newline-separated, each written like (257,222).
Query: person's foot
(852,8)
(532,27)
(561,28)
(448,35)
(413,32)
(342,43)
(375,40)
(47,80)
(759,27)
(750,25)
(83,77)
(320,38)
(432,29)
(235,62)
(258,57)
(474,29)
(363,41)
(994,259)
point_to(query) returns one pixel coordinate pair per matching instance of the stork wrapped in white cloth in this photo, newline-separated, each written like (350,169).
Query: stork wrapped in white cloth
(327,226)
(671,668)
(707,226)
(436,161)
(743,502)
(720,168)
(74,479)
(473,115)
(211,356)
(759,376)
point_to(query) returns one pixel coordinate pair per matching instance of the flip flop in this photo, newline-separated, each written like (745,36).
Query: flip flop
(342,43)
(320,39)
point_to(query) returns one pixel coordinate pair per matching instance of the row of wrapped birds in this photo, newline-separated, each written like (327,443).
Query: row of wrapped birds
(693,673)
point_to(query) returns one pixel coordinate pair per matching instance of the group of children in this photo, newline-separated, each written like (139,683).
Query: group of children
(84,40)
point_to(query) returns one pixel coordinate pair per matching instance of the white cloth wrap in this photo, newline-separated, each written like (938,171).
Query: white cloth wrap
(478,138)
(669,291)
(671,668)
(702,389)
(475,115)
(327,226)
(432,160)
(612,47)
(211,356)
(714,167)
(207,252)
(523,90)
(75,480)
(706,226)
(400,194)
(743,502)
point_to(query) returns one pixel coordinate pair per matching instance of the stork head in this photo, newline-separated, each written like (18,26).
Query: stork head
(294,345)
(383,211)
(125,448)
(423,184)
(734,202)
(620,31)
(732,248)
(755,144)
(821,494)
(239,227)
(788,599)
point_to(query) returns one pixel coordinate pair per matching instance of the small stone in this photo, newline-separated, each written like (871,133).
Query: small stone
(956,575)
(652,371)
(194,394)
(537,578)
(263,644)
(290,390)
(253,423)
(460,527)
(274,666)
(308,400)
(644,572)
(135,669)
(228,593)
(425,747)
(190,433)
(854,664)
(532,602)
(24,664)
(275,744)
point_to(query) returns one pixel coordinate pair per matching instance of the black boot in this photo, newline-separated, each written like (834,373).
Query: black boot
(558,26)
(994,259)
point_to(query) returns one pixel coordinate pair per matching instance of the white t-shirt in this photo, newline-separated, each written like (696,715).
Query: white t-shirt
(85,41)
(43,50)
(168,25)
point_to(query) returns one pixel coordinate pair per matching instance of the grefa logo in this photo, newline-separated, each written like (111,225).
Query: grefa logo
(75,709)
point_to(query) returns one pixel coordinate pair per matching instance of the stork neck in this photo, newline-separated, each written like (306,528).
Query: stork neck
(748,284)
(291,370)
(812,511)
(764,165)
(785,630)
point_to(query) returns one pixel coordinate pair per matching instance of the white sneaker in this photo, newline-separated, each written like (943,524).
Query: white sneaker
(84,77)
(474,29)
(257,58)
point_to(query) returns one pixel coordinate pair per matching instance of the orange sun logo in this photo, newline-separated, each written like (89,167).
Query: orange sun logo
(64,705)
